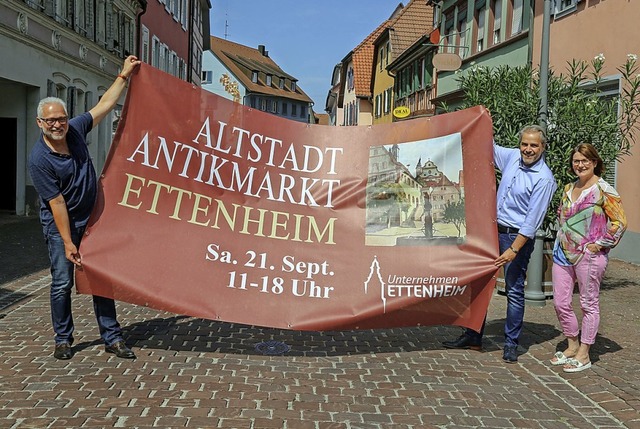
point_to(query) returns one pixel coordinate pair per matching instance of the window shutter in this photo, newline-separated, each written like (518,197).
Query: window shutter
(51,88)
(50,8)
(89,19)
(481,17)
(71,100)
(88,96)
(516,22)
(463,39)
(109,25)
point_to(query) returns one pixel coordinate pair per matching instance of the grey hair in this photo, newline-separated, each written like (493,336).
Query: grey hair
(533,129)
(51,100)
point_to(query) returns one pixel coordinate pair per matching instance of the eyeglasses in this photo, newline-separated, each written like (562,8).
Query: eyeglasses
(52,121)
(581,161)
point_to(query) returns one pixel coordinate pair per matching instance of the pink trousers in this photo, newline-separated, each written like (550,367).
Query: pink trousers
(588,272)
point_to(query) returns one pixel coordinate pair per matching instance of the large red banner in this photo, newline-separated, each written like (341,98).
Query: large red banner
(212,209)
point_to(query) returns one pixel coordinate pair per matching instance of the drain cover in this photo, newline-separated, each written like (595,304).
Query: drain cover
(272,347)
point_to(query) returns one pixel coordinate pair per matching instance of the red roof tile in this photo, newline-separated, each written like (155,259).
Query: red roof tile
(413,22)
(242,61)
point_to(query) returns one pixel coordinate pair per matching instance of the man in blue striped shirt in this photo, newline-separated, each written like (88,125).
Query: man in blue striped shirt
(524,194)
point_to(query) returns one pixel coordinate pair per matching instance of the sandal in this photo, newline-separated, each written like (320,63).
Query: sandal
(560,359)
(574,365)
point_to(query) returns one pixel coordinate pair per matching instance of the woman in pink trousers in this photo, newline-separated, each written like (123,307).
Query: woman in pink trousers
(591,222)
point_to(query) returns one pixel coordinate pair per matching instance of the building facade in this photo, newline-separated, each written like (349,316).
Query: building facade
(172,36)
(73,49)
(249,76)
(69,49)
(603,28)
(484,33)
(408,25)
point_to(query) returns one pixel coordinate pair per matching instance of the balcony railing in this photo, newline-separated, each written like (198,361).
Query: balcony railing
(419,102)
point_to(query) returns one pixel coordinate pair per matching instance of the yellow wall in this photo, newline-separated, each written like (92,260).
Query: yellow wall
(381,82)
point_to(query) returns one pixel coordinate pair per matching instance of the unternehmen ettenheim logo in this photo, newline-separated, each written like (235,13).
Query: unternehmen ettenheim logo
(400,286)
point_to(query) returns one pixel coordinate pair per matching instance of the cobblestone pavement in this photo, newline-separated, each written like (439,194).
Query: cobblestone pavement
(202,374)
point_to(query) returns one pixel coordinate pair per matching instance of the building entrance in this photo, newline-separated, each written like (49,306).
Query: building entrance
(8,161)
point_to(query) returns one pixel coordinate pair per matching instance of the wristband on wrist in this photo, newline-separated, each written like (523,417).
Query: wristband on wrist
(513,250)
(123,77)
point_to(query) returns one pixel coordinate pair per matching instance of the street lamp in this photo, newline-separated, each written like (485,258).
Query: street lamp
(533,292)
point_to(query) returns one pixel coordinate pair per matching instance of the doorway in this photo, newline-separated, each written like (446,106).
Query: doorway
(8,162)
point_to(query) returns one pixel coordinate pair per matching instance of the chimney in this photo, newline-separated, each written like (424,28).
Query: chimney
(262,51)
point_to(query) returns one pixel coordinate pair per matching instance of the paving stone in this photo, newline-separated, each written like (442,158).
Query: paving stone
(198,373)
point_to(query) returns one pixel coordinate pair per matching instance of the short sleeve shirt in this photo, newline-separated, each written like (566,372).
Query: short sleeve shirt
(72,176)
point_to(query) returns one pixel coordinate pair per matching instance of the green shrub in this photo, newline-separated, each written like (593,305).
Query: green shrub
(579,110)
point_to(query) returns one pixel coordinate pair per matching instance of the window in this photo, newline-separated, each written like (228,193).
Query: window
(62,12)
(164,58)
(516,20)
(294,109)
(176,10)
(81,18)
(207,76)
(145,44)
(450,35)
(437,13)
(254,76)
(381,57)
(350,82)
(263,105)
(480,17)
(183,13)
(293,86)
(497,21)
(462,41)
(281,83)
(269,80)
(387,53)
(285,108)
(155,52)
(564,7)
(171,58)
(451,40)
(182,69)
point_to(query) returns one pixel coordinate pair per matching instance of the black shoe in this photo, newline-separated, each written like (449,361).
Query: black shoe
(63,351)
(463,342)
(510,354)
(121,350)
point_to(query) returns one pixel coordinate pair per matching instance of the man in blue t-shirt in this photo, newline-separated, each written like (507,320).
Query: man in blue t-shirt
(65,179)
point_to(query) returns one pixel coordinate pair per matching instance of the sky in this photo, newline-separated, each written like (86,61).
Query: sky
(445,152)
(306,38)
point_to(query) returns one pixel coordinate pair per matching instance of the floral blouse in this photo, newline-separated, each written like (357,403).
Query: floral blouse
(595,217)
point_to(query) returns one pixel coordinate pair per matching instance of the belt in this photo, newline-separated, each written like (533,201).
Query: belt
(507,229)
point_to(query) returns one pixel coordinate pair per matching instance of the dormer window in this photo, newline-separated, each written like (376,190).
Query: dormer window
(269,79)
(293,86)
(281,83)
(254,76)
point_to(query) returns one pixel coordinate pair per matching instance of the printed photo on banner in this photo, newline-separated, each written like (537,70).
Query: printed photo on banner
(415,193)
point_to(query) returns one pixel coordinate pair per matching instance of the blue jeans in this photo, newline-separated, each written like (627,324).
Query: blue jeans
(62,280)
(515,273)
